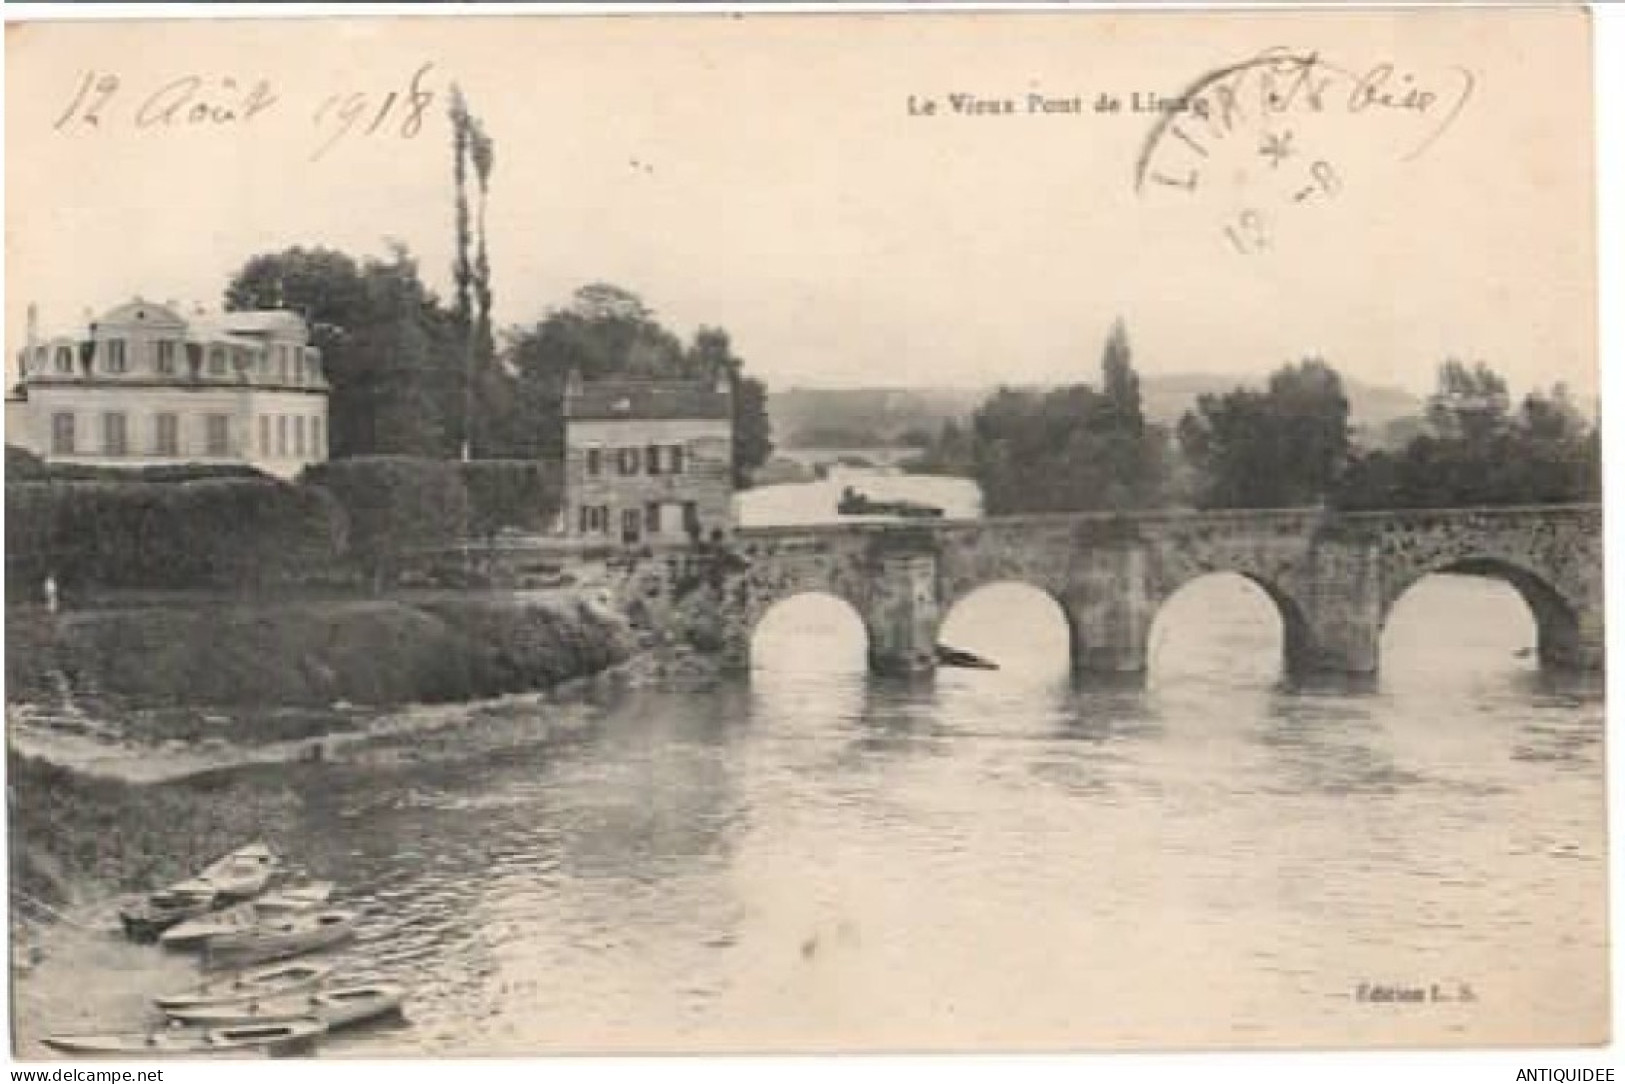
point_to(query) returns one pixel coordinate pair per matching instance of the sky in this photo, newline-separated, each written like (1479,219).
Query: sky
(807,183)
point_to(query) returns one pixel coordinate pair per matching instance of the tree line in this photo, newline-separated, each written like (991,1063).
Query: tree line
(396,358)
(1287,444)
(412,375)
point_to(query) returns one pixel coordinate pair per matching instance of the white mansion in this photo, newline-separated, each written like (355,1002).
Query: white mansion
(143,385)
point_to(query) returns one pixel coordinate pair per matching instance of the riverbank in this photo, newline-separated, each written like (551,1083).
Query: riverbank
(93,823)
(145,741)
(272,656)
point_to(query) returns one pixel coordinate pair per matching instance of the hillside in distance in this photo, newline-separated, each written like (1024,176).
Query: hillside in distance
(870,417)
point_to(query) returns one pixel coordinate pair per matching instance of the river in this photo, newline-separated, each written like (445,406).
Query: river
(817,859)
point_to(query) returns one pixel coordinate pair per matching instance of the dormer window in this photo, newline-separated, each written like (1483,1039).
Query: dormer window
(166,357)
(64,359)
(115,361)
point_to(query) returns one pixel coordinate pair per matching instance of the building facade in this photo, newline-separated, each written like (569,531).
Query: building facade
(647,461)
(143,385)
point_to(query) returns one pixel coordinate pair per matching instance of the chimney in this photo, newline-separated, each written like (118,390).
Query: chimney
(33,325)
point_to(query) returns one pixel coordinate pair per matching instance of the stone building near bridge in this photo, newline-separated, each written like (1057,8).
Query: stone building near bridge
(647,461)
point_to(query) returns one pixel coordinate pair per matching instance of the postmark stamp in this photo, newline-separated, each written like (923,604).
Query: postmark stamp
(1266,136)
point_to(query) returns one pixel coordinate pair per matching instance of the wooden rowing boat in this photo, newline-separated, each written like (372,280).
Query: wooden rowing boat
(335,1007)
(280,938)
(242,874)
(182,1041)
(281,902)
(266,982)
(148,919)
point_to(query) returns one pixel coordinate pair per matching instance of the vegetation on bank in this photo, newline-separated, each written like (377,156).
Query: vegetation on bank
(73,836)
(309,653)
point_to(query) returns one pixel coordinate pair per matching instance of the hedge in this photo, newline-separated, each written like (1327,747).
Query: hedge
(24,466)
(222,532)
(194,525)
(394,506)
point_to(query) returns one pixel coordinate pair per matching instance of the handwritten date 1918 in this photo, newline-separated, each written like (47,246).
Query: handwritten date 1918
(102,100)
(363,113)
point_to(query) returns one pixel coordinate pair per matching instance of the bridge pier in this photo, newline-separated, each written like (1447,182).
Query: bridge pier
(1332,623)
(903,614)
(1109,609)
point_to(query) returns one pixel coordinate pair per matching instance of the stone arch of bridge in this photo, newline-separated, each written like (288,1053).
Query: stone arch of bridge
(959,592)
(761,604)
(1556,612)
(1300,646)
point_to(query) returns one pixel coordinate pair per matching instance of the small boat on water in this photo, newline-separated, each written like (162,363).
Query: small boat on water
(278,903)
(292,898)
(266,982)
(953,656)
(855,503)
(242,874)
(279,938)
(145,921)
(182,1041)
(335,1007)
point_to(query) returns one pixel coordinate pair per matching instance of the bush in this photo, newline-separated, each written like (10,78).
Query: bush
(393,506)
(219,532)
(523,494)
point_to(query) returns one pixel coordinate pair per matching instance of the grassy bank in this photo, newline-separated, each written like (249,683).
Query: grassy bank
(75,837)
(309,653)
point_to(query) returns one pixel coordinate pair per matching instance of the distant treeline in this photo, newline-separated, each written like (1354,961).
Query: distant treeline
(1289,444)
(345,521)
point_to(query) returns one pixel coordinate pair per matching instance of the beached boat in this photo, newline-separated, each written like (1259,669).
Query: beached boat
(146,920)
(286,899)
(274,904)
(266,982)
(242,874)
(182,1041)
(335,1007)
(279,938)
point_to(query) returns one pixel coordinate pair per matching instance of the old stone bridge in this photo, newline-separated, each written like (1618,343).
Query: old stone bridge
(1333,576)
